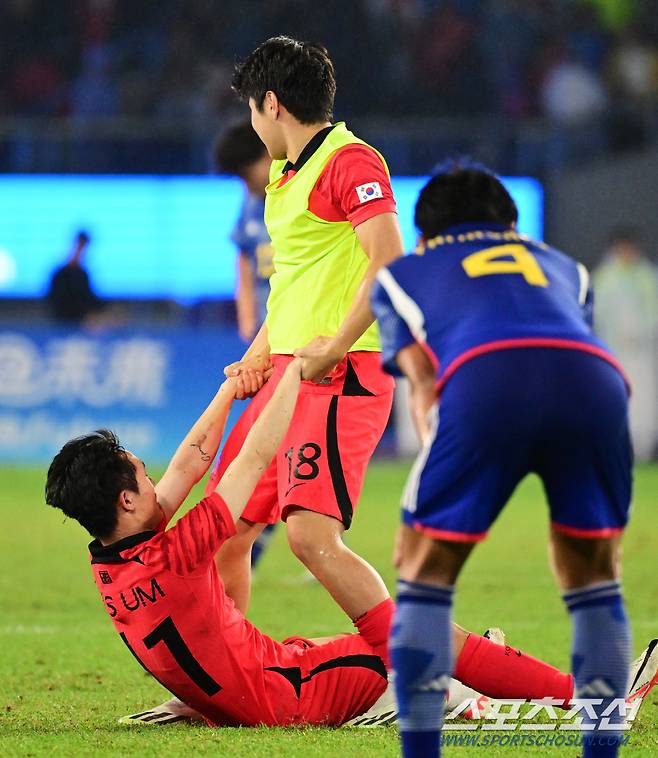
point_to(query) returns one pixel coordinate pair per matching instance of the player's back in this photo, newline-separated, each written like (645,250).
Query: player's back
(524,384)
(484,287)
(169,606)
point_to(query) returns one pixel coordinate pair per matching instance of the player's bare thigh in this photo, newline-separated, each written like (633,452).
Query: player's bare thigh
(578,562)
(421,558)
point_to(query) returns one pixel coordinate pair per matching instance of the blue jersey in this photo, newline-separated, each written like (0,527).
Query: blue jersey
(251,237)
(472,295)
(479,288)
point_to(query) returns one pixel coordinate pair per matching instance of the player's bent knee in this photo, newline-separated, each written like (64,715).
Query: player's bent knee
(313,537)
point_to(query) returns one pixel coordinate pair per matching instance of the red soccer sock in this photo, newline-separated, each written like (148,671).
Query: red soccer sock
(375,626)
(500,671)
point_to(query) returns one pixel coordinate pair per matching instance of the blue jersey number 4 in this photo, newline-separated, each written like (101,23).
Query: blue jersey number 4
(506,259)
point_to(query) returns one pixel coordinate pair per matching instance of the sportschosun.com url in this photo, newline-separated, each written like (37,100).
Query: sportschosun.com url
(522,740)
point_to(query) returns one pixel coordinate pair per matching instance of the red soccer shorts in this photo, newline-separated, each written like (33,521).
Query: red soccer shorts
(333,433)
(339,680)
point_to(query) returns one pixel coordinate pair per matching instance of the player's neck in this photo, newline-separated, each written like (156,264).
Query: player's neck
(122,531)
(299,135)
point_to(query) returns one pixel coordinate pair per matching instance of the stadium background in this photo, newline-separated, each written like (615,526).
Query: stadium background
(107,113)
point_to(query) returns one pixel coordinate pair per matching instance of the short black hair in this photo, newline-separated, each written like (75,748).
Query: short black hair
(301,75)
(237,148)
(85,478)
(462,193)
(627,234)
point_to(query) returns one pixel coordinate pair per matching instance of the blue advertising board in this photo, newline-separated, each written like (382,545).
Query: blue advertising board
(151,237)
(156,237)
(147,385)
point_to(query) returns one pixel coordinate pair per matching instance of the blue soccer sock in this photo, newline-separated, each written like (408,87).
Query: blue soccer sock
(600,661)
(421,656)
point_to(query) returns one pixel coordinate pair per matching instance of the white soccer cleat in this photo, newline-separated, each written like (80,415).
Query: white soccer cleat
(384,712)
(478,705)
(172,711)
(496,635)
(644,673)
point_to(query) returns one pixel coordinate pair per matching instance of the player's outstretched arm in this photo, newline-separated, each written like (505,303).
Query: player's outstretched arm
(263,440)
(196,451)
(414,363)
(254,368)
(382,242)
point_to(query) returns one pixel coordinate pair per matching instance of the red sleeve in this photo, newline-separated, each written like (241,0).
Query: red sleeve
(195,538)
(354,186)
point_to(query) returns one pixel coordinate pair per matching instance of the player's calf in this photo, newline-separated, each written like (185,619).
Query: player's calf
(421,656)
(316,540)
(601,644)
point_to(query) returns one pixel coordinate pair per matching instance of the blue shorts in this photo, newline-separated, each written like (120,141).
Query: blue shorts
(562,414)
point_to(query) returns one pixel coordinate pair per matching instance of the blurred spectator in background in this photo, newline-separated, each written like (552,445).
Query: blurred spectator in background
(633,67)
(240,152)
(170,61)
(94,92)
(71,297)
(626,317)
(572,93)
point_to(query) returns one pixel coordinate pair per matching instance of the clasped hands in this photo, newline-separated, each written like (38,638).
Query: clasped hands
(319,358)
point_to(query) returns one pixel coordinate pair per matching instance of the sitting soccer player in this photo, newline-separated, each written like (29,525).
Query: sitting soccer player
(168,603)
(164,595)
(503,324)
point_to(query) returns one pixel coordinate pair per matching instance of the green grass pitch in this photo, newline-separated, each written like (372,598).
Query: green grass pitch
(65,676)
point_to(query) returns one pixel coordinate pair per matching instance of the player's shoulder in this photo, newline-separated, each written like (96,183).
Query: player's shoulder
(554,254)
(355,154)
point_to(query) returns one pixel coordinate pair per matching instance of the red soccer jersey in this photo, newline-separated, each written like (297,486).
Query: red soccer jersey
(167,602)
(335,196)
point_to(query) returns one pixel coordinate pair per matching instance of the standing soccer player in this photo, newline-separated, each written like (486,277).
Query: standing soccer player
(504,324)
(331,216)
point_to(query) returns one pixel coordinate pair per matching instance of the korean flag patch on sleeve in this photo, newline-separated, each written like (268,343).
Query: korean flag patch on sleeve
(369,191)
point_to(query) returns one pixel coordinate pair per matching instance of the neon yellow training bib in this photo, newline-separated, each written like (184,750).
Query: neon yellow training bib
(318,264)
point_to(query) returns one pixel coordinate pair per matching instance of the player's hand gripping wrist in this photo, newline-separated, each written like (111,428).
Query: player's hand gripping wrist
(319,358)
(249,375)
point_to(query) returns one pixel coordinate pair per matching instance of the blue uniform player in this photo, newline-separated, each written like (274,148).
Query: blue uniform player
(494,332)
(255,249)
(240,152)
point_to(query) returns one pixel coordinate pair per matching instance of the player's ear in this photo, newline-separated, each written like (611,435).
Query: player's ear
(271,105)
(126,501)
